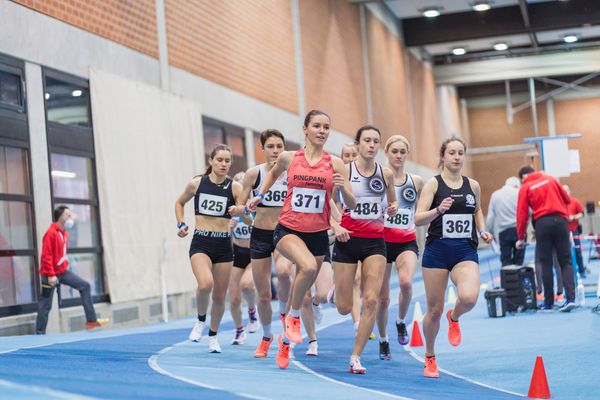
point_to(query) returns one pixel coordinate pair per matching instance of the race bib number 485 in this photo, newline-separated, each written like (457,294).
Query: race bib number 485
(457,226)
(402,219)
(305,200)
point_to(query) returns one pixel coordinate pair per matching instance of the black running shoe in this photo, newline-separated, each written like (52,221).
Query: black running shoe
(384,351)
(568,306)
(402,333)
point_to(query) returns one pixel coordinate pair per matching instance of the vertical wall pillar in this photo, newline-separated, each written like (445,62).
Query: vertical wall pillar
(42,199)
(163,49)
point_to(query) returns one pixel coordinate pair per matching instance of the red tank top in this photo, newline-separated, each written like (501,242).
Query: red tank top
(306,205)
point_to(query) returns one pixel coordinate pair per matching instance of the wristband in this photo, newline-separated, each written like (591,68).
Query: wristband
(261,195)
(481,232)
(181,225)
(246,211)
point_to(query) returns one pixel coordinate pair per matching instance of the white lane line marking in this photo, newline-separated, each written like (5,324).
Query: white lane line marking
(153,363)
(44,391)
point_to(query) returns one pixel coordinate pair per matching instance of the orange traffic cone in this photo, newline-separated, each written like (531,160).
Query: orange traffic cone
(415,339)
(538,389)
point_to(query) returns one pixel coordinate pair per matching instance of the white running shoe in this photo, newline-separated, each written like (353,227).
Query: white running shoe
(317,313)
(239,338)
(356,367)
(196,333)
(313,349)
(252,326)
(213,344)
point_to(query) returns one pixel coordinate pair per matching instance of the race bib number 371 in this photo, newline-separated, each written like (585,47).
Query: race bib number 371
(305,200)
(457,226)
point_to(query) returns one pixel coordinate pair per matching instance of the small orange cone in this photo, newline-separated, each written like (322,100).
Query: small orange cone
(538,389)
(415,339)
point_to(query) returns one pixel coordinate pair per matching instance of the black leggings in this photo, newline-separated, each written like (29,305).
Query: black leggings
(552,234)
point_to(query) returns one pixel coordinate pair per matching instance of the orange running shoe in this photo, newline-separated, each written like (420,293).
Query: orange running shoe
(283,355)
(453,330)
(292,329)
(431,368)
(539,296)
(559,298)
(263,348)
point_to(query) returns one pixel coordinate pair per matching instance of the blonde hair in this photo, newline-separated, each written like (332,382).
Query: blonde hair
(397,138)
(351,145)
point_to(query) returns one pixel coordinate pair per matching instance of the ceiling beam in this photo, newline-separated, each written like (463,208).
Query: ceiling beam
(525,16)
(501,21)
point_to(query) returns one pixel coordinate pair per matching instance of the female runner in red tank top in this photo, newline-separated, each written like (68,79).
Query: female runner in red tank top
(400,242)
(359,237)
(301,235)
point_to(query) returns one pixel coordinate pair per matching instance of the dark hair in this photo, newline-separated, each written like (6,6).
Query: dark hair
(445,145)
(58,212)
(525,170)
(266,134)
(313,113)
(365,128)
(214,152)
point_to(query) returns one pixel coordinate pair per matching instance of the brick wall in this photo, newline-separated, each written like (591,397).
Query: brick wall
(388,79)
(244,45)
(130,23)
(332,57)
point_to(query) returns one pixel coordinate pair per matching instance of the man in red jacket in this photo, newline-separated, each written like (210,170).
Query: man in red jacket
(548,202)
(54,269)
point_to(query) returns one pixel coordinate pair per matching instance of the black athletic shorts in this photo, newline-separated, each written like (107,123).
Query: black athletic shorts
(216,245)
(395,249)
(357,249)
(317,242)
(241,256)
(261,243)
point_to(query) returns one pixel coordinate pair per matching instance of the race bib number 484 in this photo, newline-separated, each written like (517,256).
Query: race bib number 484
(457,226)
(305,200)
(367,208)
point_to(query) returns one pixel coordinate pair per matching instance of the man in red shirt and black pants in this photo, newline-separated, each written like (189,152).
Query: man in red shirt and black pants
(548,201)
(54,269)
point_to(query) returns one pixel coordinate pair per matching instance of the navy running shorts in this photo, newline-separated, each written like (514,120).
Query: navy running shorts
(446,253)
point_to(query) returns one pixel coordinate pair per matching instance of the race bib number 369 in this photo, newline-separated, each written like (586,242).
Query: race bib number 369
(457,226)
(275,196)
(212,205)
(305,200)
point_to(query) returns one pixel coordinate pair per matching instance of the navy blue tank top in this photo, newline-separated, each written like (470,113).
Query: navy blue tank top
(213,199)
(459,221)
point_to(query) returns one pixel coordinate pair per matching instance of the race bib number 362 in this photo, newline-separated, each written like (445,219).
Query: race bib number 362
(305,200)
(457,226)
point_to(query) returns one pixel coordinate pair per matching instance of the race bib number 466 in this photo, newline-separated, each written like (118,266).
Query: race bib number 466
(305,200)
(457,226)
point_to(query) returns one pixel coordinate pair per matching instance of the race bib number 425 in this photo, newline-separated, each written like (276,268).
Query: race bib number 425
(305,200)
(457,226)
(212,205)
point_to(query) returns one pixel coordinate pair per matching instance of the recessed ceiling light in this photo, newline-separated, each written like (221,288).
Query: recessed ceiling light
(431,12)
(458,51)
(570,38)
(500,46)
(481,5)
(76,93)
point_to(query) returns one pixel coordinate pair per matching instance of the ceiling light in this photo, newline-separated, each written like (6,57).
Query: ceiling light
(47,96)
(431,12)
(481,6)
(500,46)
(76,93)
(570,38)
(63,174)
(458,51)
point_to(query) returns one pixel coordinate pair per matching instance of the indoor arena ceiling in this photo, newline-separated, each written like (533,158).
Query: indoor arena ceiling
(503,28)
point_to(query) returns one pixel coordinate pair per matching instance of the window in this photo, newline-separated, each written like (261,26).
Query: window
(18,255)
(216,132)
(73,177)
